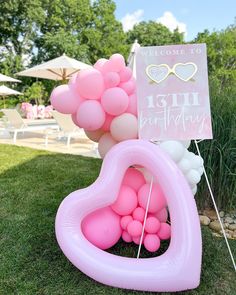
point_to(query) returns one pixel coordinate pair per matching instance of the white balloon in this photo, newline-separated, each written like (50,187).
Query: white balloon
(193,177)
(174,149)
(186,143)
(184,165)
(200,170)
(194,190)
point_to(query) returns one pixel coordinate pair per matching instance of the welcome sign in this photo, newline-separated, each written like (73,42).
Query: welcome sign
(173,94)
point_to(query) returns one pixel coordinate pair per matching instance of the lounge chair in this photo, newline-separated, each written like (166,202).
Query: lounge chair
(67,128)
(16,124)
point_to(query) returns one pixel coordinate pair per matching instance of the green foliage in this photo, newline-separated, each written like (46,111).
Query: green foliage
(35,92)
(33,184)
(153,34)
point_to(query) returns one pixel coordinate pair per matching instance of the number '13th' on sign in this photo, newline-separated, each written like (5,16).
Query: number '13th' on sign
(173,96)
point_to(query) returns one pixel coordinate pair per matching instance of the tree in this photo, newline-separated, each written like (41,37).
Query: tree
(152,34)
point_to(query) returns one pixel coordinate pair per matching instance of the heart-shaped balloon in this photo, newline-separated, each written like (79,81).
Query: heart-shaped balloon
(175,270)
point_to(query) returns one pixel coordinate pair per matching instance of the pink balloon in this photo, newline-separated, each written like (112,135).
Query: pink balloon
(125,220)
(73,82)
(94,135)
(111,79)
(74,119)
(164,232)
(162,215)
(107,123)
(90,83)
(124,127)
(134,228)
(152,242)
(136,240)
(106,142)
(134,178)
(132,107)
(99,64)
(115,101)
(129,86)
(152,225)
(65,100)
(115,64)
(126,237)
(90,115)
(157,199)
(139,214)
(102,228)
(125,74)
(126,201)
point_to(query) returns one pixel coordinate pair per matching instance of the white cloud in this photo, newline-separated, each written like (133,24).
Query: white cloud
(170,21)
(129,20)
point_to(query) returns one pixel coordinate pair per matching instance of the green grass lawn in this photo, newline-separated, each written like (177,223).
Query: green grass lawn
(32,185)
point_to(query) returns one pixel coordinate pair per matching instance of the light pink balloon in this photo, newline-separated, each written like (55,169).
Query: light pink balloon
(125,220)
(106,142)
(111,79)
(164,232)
(64,100)
(73,85)
(124,127)
(90,83)
(125,74)
(126,201)
(134,178)
(107,123)
(152,242)
(126,237)
(129,86)
(115,64)
(115,101)
(74,119)
(102,228)
(132,106)
(90,115)
(94,135)
(99,64)
(157,199)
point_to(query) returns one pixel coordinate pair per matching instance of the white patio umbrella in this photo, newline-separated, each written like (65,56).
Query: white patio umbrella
(4,78)
(5,91)
(59,68)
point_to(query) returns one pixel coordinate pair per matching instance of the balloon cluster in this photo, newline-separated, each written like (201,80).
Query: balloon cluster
(125,218)
(101,100)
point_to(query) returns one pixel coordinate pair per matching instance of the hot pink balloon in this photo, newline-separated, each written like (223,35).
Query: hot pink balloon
(102,228)
(125,74)
(152,242)
(162,215)
(126,201)
(132,106)
(90,115)
(111,79)
(106,142)
(125,220)
(126,237)
(90,83)
(64,100)
(157,199)
(152,225)
(134,228)
(138,214)
(115,101)
(124,127)
(164,232)
(134,178)
(107,123)
(129,86)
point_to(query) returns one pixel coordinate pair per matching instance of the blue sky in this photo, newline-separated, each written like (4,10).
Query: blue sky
(191,16)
